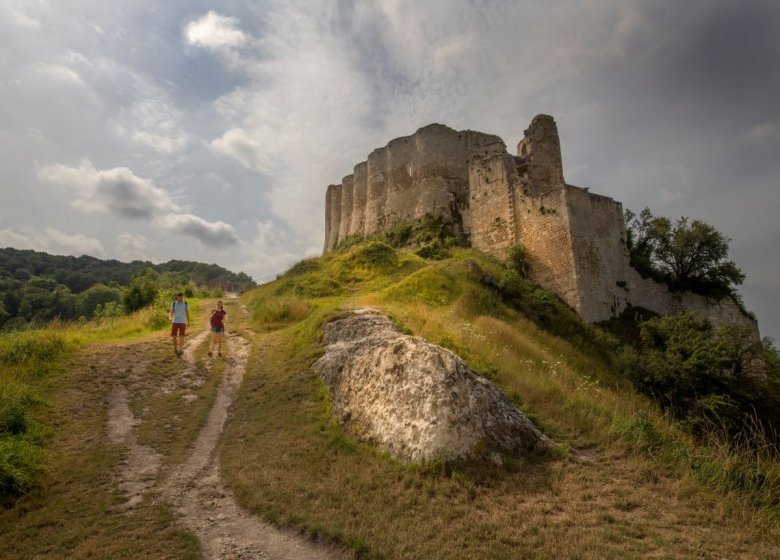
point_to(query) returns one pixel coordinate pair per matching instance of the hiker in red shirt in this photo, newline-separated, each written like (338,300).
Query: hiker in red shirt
(217,328)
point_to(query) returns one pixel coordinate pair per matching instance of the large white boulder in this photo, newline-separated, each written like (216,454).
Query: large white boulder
(417,400)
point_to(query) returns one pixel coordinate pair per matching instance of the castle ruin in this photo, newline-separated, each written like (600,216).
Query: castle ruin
(575,239)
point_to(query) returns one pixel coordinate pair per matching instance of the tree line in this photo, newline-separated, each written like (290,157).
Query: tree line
(37,287)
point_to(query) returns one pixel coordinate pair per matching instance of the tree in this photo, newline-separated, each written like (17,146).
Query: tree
(142,291)
(98,295)
(688,255)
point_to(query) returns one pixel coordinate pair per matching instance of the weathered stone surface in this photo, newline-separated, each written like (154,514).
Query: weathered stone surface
(417,400)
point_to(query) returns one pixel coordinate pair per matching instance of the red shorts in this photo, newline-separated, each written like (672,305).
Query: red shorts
(178,327)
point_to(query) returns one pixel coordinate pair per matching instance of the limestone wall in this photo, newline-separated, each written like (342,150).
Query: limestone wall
(599,251)
(425,173)
(542,223)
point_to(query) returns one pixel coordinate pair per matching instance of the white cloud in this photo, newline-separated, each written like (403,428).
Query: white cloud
(215,32)
(118,191)
(267,253)
(51,240)
(762,133)
(132,247)
(153,121)
(61,73)
(212,234)
(236,144)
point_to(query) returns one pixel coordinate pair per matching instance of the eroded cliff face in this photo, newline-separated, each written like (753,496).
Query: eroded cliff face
(575,239)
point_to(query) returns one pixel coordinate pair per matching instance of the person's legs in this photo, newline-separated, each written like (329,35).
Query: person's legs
(211,344)
(174,329)
(219,343)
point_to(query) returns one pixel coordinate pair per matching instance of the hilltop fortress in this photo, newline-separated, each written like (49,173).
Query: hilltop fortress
(576,240)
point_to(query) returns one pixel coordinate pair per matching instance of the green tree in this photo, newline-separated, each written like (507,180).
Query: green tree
(688,255)
(97,295)
(142,291)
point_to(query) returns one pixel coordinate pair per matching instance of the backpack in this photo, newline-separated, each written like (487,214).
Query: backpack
(174,301)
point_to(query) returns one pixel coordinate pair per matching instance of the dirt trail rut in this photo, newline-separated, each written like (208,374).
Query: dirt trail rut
(195,488)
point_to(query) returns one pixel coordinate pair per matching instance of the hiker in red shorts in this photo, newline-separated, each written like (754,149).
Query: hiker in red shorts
(179,314)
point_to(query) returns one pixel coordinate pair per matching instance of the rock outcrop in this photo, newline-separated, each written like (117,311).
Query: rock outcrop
(418,401)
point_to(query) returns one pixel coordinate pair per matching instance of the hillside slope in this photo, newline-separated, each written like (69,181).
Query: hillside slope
(137,465)
(629,484)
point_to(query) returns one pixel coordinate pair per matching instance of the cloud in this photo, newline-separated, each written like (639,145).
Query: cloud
(153,121)
(212,234)
(762,133)
(267,253)
(51,240)
(61,73)
(118,191)
(215,32)
(132,247)
(236,144)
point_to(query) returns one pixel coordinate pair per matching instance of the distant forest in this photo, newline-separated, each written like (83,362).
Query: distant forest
(37,287)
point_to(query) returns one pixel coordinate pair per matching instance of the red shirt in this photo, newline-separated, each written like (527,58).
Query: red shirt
(216,318)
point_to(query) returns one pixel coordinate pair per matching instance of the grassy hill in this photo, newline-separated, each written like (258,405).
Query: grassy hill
(628,480)
(641,486)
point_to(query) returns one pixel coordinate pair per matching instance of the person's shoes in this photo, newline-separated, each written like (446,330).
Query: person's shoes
(219,354)
(209,354)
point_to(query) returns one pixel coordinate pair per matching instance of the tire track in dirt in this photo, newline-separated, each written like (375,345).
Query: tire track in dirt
(195,488)
(208,507)
(139,470)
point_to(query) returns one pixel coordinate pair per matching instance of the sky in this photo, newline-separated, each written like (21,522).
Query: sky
(209,131)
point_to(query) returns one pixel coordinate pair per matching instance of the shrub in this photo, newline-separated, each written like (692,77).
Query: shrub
(21,464)
(377,255)
(399,235)
(518,260)
(141,292)
(697,371)
(109,310)
(435,252)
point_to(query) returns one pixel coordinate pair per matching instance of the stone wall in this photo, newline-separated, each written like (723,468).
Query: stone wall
(576,240)
(425,173)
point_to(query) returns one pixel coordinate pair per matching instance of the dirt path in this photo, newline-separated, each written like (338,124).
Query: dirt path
(195,488)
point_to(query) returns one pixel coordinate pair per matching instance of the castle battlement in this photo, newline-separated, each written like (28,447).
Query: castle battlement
(575,239)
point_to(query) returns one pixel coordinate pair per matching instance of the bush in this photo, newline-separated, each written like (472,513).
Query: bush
(435,252)
(377,255)
(697,372)
(399,236)
(518,260)
(109,310)
(141,292)
(21,464)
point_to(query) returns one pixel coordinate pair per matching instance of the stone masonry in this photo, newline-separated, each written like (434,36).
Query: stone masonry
(576,240)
